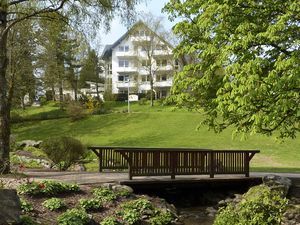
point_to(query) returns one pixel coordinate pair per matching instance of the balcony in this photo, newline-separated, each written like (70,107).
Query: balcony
(128,54)
(157,53)
(127,69)
(166,83)
(165,68)
(124,84)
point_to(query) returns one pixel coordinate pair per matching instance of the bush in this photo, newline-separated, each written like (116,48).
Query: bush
(75,111)
(54,204)
(49,188)
(259,206)
(26,206)
(27,220)
(132,211)
(143,101)
(63,151)
(162,218)
(109,221)
(73,217)
(90,204)
(104,194)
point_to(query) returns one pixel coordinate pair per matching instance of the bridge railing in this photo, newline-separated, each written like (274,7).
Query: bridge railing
(174,161)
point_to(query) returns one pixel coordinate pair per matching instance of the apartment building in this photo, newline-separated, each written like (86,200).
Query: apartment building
(139,60)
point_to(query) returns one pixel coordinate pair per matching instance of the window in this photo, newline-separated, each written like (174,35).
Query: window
(162,62)
(123,78)
(145,78)
(145,63)
(123,48)
(142,33)
(123,63)
(163,77)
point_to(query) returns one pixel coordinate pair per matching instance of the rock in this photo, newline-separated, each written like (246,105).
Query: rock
(276,182)
(211,211)
(10,207)
(122,188)
(29,143)
(78,167)
(107,185)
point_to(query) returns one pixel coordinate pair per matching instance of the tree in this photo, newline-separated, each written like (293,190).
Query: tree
(156,36)
(247,72)
(12,12)
(20,72)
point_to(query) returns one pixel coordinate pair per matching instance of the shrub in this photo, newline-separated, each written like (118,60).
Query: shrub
(259,206)
(161,218)
(75,111)
(131,216)
(132,211)
(90,204)
(63,151)
(54,204)
(109,221)
(26,206)
(27,220)
(104,194)
(73,217)
(143,101)
(49,188)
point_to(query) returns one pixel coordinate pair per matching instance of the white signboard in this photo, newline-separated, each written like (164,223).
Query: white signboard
(133,98)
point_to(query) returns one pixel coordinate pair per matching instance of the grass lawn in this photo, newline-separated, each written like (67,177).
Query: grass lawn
(163,127)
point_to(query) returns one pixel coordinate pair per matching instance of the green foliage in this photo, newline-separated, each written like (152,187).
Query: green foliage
(90,204)
(73,217)
(49,188)
(161,218)
(259,206)
(26,206)
(132,211)
(143,101)
(109,221)
(130,216)
(75,111)
(244,63)
(54,204)
(27,220)
(104,194)
(123,193)
(63,151)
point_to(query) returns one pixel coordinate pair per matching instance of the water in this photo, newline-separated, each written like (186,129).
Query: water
(195,216)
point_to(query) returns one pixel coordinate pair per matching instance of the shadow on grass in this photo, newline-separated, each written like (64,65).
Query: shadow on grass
(275,169)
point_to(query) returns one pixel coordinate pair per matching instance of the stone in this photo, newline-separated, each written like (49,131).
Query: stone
(276,182)
(107,185)
(29,143)
(122,188)
(10,207)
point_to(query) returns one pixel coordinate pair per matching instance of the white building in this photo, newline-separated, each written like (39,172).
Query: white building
(139,55)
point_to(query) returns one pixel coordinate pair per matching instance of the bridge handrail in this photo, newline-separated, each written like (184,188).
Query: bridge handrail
(142,161)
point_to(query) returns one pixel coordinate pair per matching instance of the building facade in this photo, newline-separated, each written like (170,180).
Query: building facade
(139,60)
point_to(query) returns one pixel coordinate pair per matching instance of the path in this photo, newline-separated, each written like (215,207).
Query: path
(108,177)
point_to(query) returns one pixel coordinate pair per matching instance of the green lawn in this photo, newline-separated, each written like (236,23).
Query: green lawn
(163,127)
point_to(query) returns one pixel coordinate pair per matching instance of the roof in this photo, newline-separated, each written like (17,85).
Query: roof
(107,52)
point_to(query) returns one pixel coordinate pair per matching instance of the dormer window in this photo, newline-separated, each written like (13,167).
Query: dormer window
(123,48)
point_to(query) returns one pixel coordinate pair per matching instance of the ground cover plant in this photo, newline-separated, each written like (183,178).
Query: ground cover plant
(158,127)
(79,207)
(47,188)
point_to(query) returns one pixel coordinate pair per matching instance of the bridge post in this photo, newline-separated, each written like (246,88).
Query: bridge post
(130,161)
(211,156)
(246,163)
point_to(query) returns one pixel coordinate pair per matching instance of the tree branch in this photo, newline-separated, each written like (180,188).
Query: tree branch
(35,13)
(17,2)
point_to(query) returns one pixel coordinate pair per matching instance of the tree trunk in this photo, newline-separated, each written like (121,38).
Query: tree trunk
(151,92)
(53,93)
(61,95)
(4,104)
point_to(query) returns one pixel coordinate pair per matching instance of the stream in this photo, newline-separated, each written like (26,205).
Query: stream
(195,216)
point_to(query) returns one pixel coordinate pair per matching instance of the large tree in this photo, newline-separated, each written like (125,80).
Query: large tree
(247,72)
(13,12)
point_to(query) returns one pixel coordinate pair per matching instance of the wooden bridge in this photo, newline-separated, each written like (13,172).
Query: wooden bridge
(173,161)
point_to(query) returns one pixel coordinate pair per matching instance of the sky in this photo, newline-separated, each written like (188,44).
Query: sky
(117,29)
